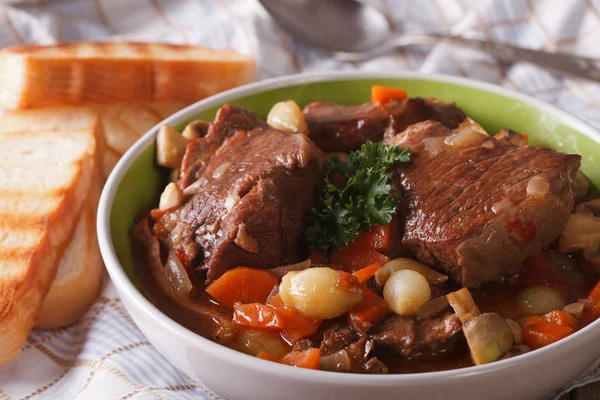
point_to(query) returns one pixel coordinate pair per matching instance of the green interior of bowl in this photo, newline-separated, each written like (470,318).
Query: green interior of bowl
(141,186)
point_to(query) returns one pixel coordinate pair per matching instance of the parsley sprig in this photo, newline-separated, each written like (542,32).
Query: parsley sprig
(355,196)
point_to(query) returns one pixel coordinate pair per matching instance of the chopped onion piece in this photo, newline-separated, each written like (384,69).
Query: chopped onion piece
(399,264)
(434,145)
(574,308)
(538,186)
(194,187)
(279,272)
(502,205)
(489,144)
(433,307)
(337,362)
(466,138)
(179,281)
(468,123)
(221,169)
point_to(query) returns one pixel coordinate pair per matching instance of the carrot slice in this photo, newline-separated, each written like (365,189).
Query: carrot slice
(538,334)
(302,359)
(368,312)
(266,356)
(563,318)
(244,285)
(366,273)
(596,292)
(354,258)
(276,302)
(294,325)
(256,315)
(381,94)
(378,238)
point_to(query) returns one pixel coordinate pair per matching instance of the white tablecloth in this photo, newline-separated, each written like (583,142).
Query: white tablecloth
(104,356)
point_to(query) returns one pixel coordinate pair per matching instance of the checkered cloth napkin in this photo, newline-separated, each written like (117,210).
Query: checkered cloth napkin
(104,355)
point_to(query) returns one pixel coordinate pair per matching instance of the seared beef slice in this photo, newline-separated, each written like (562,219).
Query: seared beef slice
(249,203)
(468,209)
(334,127)
(228,121)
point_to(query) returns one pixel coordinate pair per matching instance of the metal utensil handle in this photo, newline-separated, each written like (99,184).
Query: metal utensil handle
(582,67)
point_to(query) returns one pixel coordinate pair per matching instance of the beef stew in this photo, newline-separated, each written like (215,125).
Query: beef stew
(396,236)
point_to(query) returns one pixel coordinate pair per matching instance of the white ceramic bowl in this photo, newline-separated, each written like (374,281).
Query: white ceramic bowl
(234,375)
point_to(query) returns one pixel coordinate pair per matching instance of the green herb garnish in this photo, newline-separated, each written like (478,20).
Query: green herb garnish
(360,199)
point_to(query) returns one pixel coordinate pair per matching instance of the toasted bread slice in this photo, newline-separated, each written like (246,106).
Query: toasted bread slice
(105,73)
(80,272)
(124,124)
(45,178)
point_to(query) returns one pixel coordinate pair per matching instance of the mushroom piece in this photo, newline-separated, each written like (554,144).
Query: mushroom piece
(195,130)
(488,335)
(582,231)
(170,147)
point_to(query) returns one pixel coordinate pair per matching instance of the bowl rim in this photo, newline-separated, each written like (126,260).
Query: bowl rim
(126,288)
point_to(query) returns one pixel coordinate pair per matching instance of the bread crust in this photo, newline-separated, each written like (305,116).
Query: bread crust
(86,73)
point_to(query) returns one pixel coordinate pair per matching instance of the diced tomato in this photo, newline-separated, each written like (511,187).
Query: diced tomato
(378,238)
(244,285)
(368,312)
(355,258)
(256,315)
(366,273)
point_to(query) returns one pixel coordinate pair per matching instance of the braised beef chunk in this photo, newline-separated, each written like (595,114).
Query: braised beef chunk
(409,337)
(248,206)
(334,127)
(228,121)
(344,350)
(468,209)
